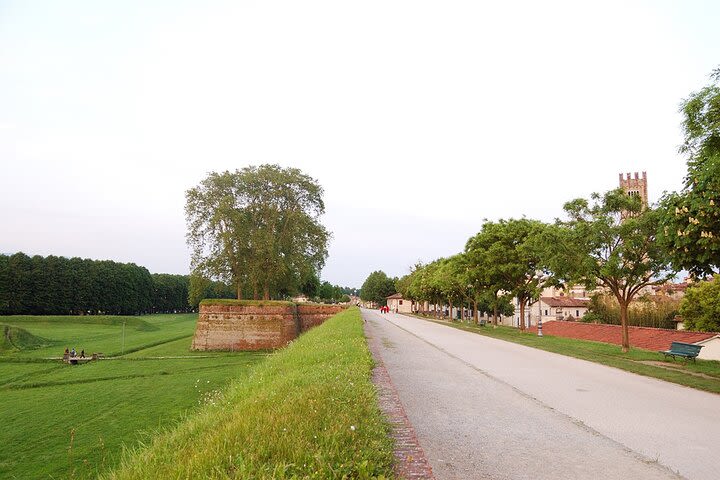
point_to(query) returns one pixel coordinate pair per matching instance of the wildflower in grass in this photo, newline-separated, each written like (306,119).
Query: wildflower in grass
(352,427)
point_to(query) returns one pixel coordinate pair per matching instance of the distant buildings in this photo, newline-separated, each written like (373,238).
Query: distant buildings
(397,303)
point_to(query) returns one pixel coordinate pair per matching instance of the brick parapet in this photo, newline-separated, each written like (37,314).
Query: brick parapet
(259,326)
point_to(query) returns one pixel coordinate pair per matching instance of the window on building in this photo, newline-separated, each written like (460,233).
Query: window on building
(400,302)
(577,312)
(546,312)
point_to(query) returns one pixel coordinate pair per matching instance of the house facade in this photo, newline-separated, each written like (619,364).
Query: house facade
(398,304)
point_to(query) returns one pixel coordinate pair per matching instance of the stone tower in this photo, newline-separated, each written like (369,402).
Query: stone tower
(635,186)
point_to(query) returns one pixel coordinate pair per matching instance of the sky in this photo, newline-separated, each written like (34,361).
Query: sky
(420,119)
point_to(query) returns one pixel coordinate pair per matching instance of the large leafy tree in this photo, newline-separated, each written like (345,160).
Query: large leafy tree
(377,287)
(610,241)
(691,218)
(257,228)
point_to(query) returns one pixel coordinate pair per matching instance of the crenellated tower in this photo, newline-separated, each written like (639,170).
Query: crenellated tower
(635,186)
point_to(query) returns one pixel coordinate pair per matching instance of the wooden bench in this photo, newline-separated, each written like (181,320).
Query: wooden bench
(681,349)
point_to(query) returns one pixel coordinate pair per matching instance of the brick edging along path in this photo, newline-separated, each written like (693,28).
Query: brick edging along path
(410,461)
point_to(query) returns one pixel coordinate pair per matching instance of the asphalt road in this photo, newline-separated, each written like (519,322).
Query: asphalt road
(485,408)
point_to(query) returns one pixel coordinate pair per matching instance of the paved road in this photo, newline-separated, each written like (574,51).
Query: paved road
(484,408)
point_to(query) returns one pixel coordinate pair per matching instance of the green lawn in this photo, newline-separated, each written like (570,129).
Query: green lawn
(701,374)
(308,411)
(100,333)
(62,421)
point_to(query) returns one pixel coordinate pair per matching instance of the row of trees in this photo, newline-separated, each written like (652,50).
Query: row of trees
(329,293)
(608,241)
(57,285)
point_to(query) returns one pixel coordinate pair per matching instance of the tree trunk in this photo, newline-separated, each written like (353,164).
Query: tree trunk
(624,326)
(255,291)
(522,315)
(239,291)
(450,315)
(495,314)
(266,292)
(476,318)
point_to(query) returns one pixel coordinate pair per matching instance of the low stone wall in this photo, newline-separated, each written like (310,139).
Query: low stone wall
(248,325)
(312,315)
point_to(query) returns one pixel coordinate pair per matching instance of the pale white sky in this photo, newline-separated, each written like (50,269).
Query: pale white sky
(419,118)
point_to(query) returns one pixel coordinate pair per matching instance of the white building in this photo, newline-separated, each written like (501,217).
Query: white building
(397,303)
(711,348)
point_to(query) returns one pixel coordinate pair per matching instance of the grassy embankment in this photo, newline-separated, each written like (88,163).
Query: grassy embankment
(702,374)
(62,421)
(308,411)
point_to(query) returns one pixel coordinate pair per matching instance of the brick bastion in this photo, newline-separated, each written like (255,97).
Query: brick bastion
(255,325)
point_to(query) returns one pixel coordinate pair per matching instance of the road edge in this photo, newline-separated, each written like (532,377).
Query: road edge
(410,460)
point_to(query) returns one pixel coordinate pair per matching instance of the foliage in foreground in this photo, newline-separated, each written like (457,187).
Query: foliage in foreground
(309,411)
(691,222)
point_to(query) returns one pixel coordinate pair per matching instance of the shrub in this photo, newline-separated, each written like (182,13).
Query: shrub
(700,309)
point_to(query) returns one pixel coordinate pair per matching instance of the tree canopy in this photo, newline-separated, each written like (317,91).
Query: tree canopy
(258,229)
(691,219)
(611,242)
(61,286)
(377,287)
(508,257)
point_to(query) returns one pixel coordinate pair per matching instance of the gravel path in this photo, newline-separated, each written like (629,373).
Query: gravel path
(484,408)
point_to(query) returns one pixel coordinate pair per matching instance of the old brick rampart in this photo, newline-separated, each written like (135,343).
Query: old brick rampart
(254,325)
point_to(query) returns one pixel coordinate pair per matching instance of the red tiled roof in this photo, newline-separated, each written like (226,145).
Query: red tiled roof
(395,295)
(640,337)
(565,301)
(671,287)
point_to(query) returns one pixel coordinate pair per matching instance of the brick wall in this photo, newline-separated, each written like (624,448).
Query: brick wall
(255,326)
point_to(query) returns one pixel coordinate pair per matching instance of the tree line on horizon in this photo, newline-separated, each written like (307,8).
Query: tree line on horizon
(56,285)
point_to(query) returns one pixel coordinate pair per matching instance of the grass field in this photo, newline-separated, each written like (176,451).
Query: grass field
(308,411)
(702,374)
(62,421)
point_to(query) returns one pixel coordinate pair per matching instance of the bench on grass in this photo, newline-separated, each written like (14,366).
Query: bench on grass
(681,349)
